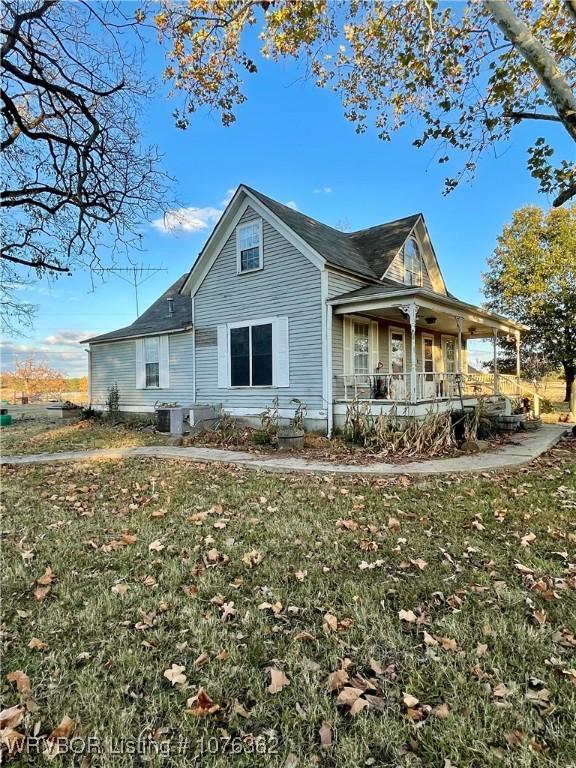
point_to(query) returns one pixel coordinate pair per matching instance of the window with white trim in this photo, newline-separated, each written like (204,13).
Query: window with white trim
(249,246)
(152,362)
(361,350)
(412,263)
(251,356)
(449,355)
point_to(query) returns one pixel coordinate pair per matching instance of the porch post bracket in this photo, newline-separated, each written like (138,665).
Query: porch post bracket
(411,310)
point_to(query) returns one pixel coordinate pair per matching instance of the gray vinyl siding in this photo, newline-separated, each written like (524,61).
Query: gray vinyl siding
(339,283)
(115,362)
(289,285)
(396,272)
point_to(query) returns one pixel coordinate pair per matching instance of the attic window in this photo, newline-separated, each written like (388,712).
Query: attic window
(412,263)
(249,247)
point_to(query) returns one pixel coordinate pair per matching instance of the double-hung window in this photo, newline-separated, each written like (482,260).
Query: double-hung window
(251,356)
(412,263)
(152,362)
(361,348)
(249,247)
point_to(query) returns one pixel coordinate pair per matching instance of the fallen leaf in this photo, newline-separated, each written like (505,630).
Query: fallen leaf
(37,644)
(325,734)
(54,745)
(527,539)
(278,680)
(201,704)
(20,679)
(11,717)
(155,546)
(120,589)
(252,558)
(176,674)
(358,706)
(300,575)
(500,691)
(481,649)
(348,696)
(410,701)
(201,660)
(448,643)
(12,740)
(441,710)
(41,593)
(47,577)
(429,639)
(330,622)
(337,680)
(408,616)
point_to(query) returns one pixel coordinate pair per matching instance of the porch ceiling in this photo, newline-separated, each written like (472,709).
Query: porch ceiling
(434,312)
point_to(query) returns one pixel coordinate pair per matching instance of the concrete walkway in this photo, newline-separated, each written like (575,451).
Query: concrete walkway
(525,448)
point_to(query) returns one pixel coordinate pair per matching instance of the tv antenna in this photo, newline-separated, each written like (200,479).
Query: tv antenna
(136,275)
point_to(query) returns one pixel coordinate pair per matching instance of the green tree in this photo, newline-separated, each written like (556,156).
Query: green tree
(532,278)
(462,74)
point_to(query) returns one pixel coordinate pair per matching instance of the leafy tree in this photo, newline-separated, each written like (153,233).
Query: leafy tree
(532,278)
(34,379)
(76,178)
(468,73)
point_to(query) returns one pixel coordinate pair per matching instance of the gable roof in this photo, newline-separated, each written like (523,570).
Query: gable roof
(367,252)
(156,320)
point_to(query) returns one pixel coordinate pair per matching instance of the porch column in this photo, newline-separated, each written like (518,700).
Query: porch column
(495,364)
(518,372)
(459,350)
(411,310)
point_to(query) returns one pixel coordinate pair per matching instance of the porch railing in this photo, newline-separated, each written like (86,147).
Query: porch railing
(433,386)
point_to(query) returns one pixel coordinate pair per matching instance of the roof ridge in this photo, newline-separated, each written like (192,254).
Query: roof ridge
(384,224)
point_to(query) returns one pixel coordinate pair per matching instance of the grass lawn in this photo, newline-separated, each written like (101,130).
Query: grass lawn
(41,436)
(220,613)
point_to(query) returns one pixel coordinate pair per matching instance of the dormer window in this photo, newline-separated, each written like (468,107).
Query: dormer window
(412,263)
(249,247)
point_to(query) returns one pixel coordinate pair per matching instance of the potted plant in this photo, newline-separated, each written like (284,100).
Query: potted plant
(292,437)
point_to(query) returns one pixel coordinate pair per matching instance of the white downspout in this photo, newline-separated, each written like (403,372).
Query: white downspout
(193,353)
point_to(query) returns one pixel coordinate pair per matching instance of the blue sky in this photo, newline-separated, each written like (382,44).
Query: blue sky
(292,142)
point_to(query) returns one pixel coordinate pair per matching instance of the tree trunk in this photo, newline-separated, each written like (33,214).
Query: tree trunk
(559,91)
(569,373)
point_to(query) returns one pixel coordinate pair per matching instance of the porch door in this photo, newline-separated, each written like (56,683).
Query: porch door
(448,386)
(429,386)
(398,387)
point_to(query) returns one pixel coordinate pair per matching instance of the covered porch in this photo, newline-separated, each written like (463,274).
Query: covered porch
(408,351)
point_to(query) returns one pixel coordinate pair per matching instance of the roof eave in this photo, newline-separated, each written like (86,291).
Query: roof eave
(103,340)
(423,292)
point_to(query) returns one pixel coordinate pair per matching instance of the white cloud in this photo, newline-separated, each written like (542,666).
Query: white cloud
(187,220)
(322,190)
(60,351)
(228,197)
(67,338)
(291,204)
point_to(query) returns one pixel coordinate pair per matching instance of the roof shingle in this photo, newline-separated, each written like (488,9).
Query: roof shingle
(156,319)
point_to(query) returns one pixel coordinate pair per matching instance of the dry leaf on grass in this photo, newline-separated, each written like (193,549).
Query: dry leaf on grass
(54,744)
(252,558)
(410,701)
(325,734)
(337,680)
(201,704)
(37,645)
(20,679)
(278,680)
(47,577)
(120,589)
(155,546)
(11,717)
(176,674)
(408,616)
